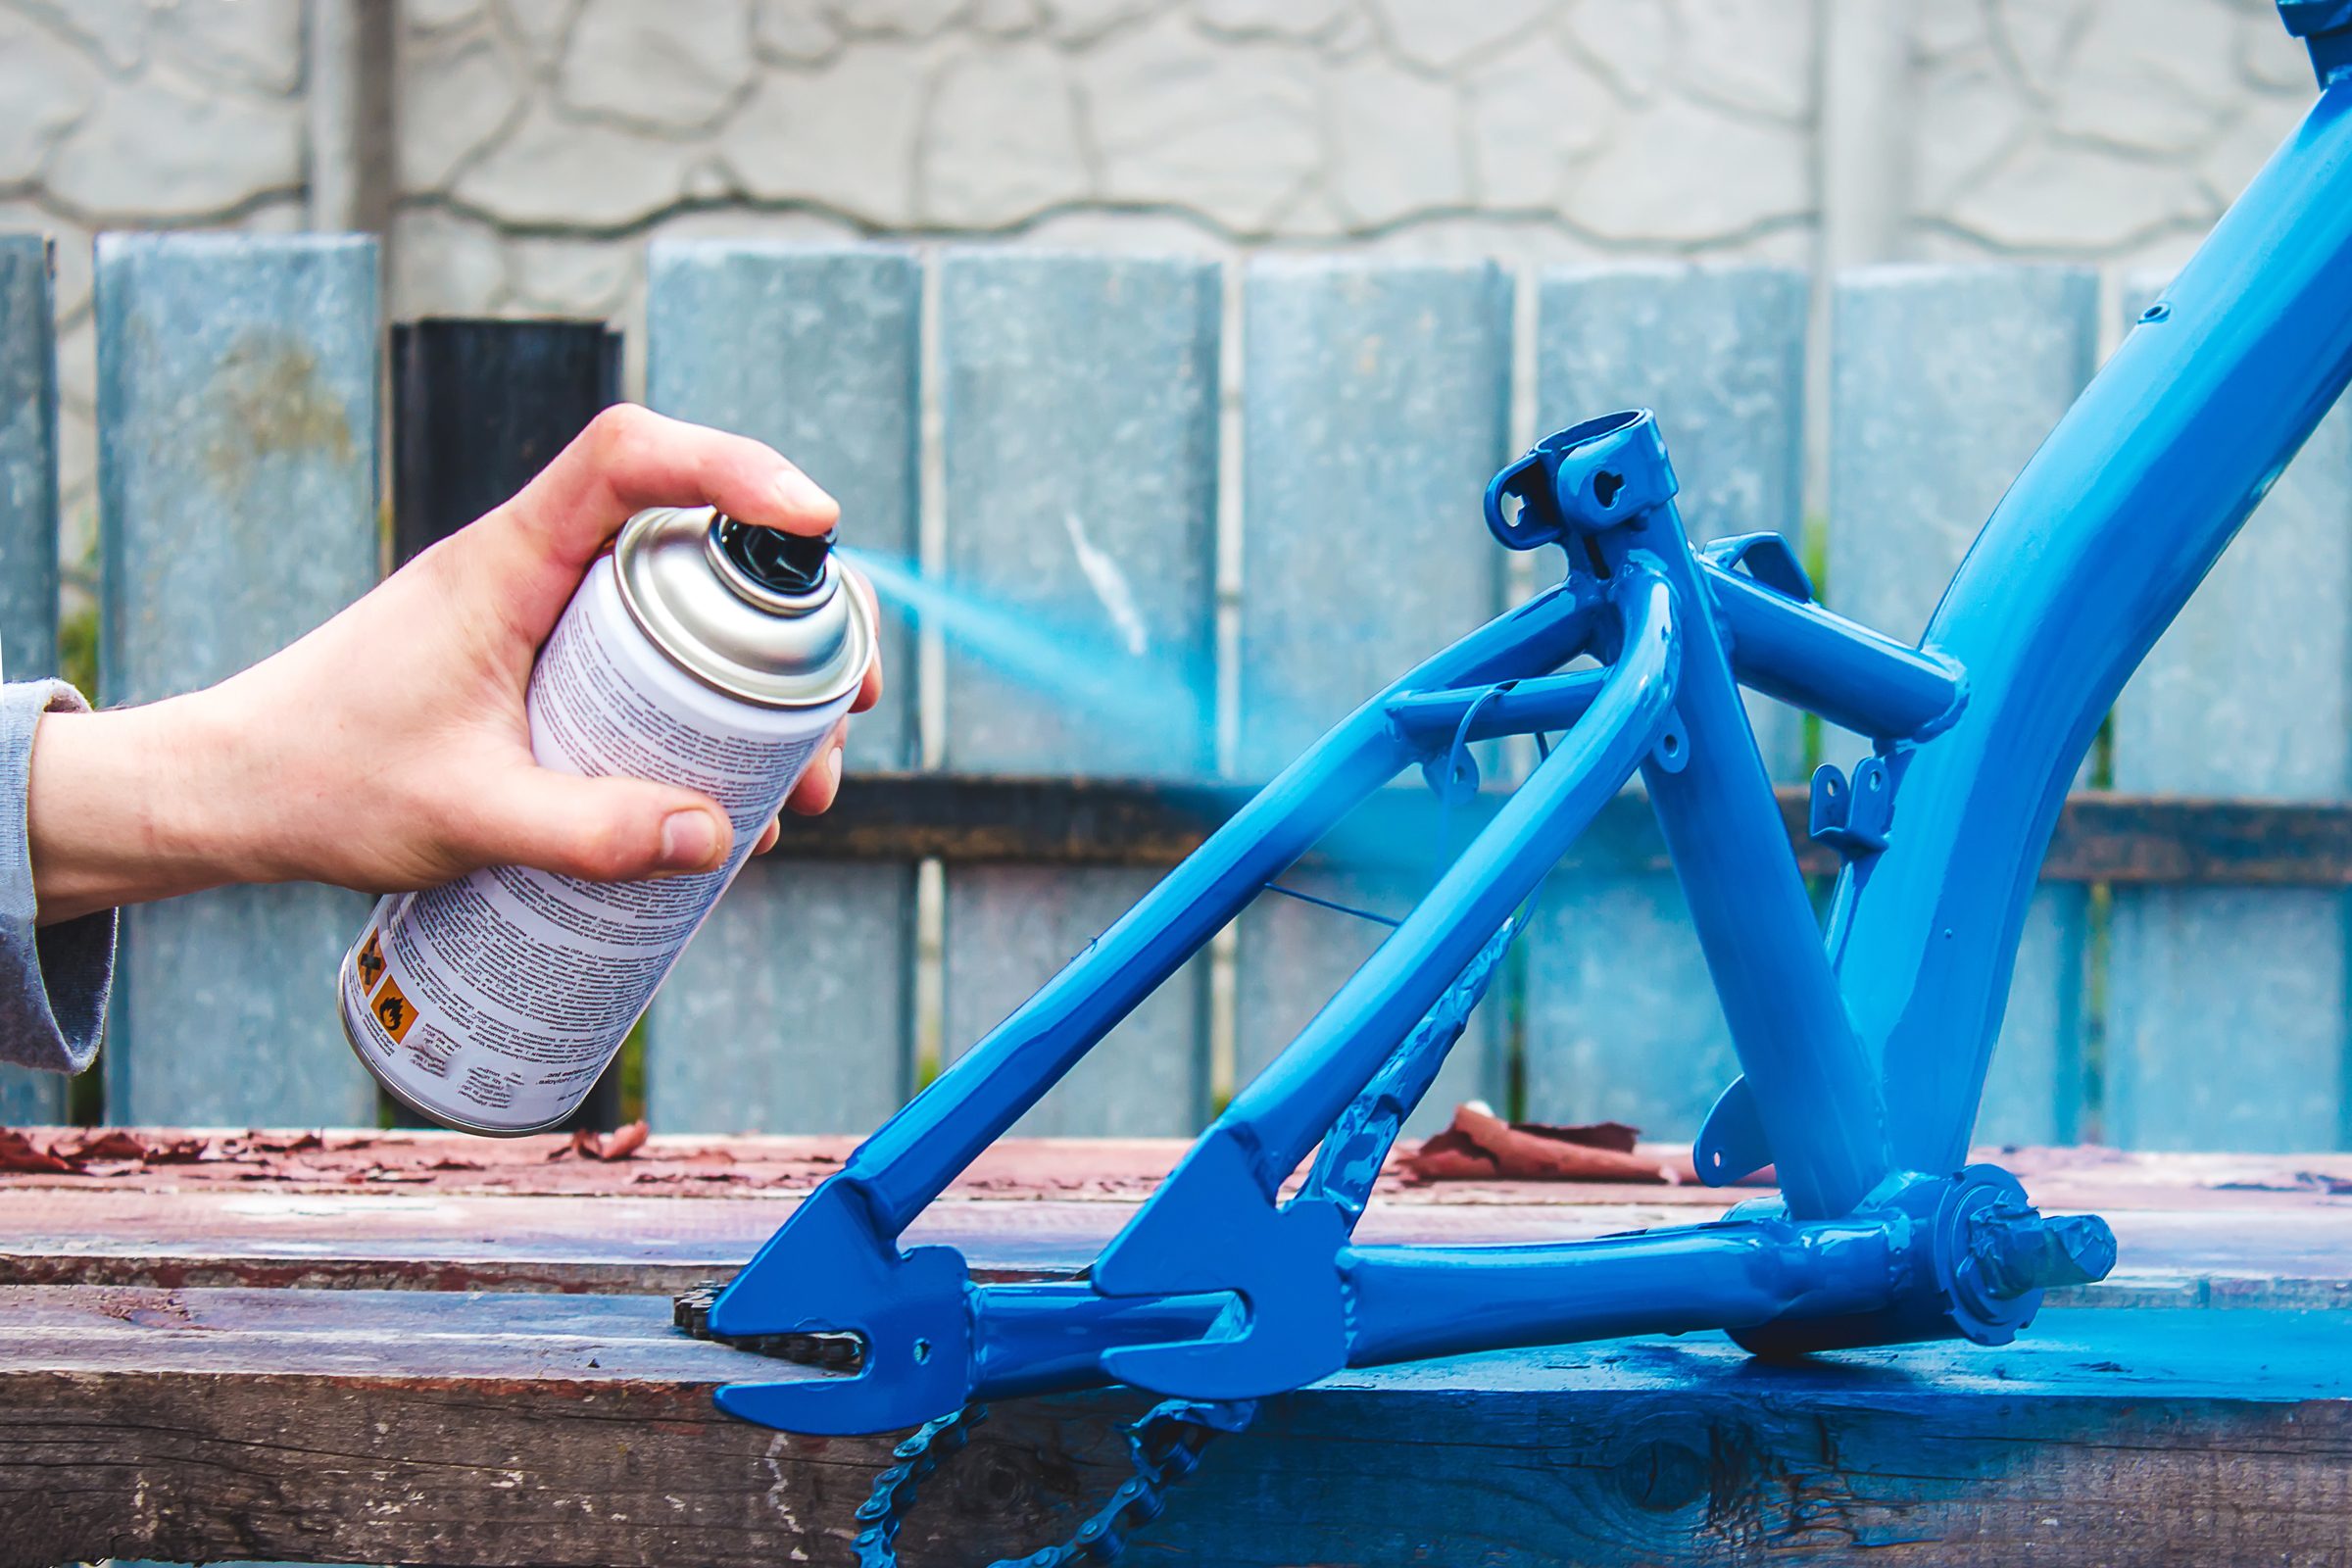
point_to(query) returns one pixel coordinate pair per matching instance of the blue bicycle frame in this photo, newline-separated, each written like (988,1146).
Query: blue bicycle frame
(1864,1054)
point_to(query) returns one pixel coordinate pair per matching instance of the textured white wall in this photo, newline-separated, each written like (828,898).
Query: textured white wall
(135,114)
(2090,129)
(541,142)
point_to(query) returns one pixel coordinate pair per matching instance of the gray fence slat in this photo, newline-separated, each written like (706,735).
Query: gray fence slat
(1376,404)
(237,462)
(1944,381)
(1079,406)
(1622,1018)
(790,1012)
(27,535)
(27,460)
(2227,1007)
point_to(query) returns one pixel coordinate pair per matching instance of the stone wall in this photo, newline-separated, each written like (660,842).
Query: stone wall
(535,145)
(138,114)
(2094,130)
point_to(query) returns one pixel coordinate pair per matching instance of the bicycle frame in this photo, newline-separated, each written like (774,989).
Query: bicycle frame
(1863,1050)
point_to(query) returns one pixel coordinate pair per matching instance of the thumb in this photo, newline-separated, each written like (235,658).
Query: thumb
(599,829)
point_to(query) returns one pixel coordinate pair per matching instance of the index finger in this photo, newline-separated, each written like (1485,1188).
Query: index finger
(630,457)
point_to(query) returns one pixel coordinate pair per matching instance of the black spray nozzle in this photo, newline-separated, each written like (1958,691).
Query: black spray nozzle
(791,564)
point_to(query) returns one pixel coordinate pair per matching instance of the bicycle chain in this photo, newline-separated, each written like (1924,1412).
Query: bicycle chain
(690,1309)
(883,1510)
(1164,1446)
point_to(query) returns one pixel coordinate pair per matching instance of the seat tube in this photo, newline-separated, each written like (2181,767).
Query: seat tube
(1814,1086)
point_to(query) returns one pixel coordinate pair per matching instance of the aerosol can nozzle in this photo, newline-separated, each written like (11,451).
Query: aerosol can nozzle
(788,564)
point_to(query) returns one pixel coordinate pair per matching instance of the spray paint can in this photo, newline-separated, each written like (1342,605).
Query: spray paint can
(699,651)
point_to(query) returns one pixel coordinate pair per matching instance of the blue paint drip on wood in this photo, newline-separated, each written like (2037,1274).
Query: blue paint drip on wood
(2227,1022)
(1621,1020)
(1943,381)
(1376,404)
(28,536)
(1079,406)
(238,419)
(790,1010)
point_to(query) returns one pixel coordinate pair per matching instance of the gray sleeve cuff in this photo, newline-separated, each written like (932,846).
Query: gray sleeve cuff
(53,979)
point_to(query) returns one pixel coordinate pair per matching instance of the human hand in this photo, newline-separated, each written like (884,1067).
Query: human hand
(388,749)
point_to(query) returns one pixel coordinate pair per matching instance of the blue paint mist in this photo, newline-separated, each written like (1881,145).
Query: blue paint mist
(1058,657)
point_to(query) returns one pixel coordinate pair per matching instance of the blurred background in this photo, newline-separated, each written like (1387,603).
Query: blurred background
(1160,472)
(516,154)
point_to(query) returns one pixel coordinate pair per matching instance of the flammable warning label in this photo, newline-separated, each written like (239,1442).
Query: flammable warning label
(393,1011)
(369,964)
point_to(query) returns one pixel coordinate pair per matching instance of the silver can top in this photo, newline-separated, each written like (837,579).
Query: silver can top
(779,648)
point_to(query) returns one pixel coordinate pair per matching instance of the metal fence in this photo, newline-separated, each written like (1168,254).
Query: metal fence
(1274,544)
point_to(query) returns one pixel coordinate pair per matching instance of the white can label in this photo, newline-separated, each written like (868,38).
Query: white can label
(495,1002)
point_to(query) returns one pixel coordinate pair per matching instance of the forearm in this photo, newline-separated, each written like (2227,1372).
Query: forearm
(133,805)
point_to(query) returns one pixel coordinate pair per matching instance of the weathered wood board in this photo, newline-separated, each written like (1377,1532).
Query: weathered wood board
(486,1429)
(439,1213)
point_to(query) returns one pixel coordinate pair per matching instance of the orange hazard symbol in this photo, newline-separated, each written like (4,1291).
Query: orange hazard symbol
(369,964)
(393,1010)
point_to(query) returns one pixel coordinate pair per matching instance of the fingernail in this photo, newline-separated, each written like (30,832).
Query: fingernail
(833,766)
(799,496)
(689,841)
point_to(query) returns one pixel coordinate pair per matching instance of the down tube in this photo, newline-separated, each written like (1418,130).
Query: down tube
(2091,552)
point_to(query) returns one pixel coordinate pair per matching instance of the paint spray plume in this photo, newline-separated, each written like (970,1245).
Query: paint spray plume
(1110,674)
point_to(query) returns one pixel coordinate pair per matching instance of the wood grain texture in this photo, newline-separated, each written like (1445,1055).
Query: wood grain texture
(494,1430)
(439,1213)
(238,509)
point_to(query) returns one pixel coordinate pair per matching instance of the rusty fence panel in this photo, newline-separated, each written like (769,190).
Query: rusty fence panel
(238,509)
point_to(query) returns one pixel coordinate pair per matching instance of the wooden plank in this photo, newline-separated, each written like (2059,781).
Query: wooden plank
(1376,404)
(28,536)
(237,501)
(386,1212)
(982,819)
(2219,706)
(495,1430)
(1079,406)
(1621,1020)
(1943,381)
(815,352)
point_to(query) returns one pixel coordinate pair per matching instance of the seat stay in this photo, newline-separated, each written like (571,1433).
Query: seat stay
(1219,1287)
